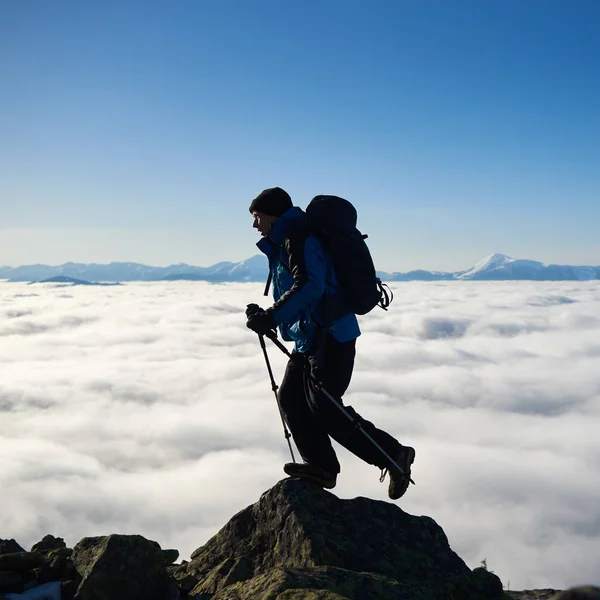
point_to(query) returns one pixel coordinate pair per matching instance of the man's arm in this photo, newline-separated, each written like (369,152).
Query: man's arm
(308,267)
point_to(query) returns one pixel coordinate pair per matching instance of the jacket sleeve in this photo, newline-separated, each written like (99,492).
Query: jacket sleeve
(308,267)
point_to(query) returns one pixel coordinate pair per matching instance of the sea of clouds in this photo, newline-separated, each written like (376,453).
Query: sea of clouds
(146,408)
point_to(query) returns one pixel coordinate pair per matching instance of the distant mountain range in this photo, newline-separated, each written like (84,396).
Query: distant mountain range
(499,267)
(492,268)
(64,280)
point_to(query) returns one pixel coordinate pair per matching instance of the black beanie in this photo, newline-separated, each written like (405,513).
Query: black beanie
(272,201)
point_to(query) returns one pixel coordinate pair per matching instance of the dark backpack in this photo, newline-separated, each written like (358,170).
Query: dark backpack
(333,220)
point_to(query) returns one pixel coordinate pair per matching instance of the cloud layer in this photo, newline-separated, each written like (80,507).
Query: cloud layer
(146,409)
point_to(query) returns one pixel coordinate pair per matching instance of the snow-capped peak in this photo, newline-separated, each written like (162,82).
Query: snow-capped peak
(493,261)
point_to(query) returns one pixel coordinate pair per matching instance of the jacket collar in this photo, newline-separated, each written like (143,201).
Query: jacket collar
(275,237)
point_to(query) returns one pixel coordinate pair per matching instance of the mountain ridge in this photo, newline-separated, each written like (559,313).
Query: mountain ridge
(495,267)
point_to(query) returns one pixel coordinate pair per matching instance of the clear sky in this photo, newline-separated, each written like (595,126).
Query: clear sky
(141,130)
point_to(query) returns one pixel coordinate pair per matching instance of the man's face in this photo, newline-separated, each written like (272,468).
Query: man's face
(263,222)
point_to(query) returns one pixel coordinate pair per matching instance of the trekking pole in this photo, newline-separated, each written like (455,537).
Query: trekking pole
(355,422)
(274,387)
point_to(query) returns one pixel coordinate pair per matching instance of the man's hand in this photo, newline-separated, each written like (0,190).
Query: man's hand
(252,309)
(260,321)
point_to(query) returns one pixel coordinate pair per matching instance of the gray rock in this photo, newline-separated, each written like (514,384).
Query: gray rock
(10,547)
(582,592)
(170,556)
(303,537)
(119,567)
(185,581)
(172,591)
(540,594)
(48,544)
(9,581)
(22,562)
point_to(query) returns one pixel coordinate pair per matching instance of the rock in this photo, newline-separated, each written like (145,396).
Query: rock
(301,537)
(68,589)
(485,582)
(10,547)
(47,544)
(172,591)
(317,583)
(22,562)
(170,556)
(582,592)
(185,581)
(59,568)
(10,582)
(119,567)
(541,594)
(229,572)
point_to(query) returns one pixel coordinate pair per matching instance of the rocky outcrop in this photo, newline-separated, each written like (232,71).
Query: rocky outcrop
(114,567)
(48,561)
(298,542)
(301,537)
(9,546)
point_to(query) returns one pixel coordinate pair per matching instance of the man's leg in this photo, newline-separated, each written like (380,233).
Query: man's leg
(309,432)
(336,372)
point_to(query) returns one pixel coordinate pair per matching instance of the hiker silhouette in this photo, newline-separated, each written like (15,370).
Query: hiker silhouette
(303,280)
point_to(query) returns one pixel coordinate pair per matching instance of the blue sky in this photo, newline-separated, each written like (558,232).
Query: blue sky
(141,130)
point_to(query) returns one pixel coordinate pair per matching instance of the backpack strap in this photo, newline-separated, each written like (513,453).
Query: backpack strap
(268,284)
(270,277)
(386,296)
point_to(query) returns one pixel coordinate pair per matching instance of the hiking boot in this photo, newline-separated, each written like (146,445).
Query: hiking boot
(312,472)
(399,482)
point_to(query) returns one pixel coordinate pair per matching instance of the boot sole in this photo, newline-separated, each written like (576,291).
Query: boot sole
(328,485)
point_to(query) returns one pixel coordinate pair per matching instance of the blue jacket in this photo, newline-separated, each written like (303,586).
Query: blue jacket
(300,277)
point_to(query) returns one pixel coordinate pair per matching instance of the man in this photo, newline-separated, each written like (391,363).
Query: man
(300,277)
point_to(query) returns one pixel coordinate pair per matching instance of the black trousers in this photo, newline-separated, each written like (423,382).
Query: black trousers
(313,418)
